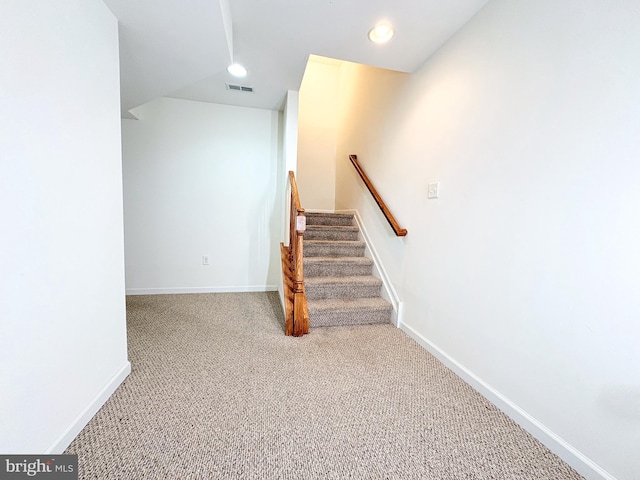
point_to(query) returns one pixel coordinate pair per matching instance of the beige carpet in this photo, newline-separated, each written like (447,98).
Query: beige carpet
(218,392)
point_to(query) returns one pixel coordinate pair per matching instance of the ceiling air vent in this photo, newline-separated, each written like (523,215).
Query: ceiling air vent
(239,88)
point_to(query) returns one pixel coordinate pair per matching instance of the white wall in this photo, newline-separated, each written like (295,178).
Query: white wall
(525,274)
(201,179)
(289,161)
(366,118)
(290,134)
(317,134)
(62,314)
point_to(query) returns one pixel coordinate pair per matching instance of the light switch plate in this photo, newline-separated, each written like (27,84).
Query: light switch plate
(434,189)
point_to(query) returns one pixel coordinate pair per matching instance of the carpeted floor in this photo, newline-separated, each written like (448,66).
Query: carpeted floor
(218,392)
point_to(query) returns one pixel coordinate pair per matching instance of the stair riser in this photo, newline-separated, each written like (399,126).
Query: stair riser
(334,250)
(335,270)
(329,220)
(316,292)
(330,235)
(360,317)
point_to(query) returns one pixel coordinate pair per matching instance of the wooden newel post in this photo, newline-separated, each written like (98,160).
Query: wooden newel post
(300,326)
(297,315)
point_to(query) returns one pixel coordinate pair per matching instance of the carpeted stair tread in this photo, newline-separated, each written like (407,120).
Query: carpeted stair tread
(342,287)
(352,228)
(332,242)
(333,248)
(342,260)
(331,232)
(337,266)
(349,304)
(348,311)
(318,218)
(339,228)
(356,279)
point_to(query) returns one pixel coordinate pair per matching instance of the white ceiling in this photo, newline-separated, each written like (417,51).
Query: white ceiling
(181,48)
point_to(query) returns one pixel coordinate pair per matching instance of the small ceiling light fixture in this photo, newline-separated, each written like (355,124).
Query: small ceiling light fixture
(237,70)
(381,33)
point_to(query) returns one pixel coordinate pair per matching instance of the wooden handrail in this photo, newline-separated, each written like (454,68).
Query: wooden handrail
(294,192)
(400,232)
(297,313)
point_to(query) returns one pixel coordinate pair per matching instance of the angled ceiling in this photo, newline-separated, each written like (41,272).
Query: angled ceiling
(181,48)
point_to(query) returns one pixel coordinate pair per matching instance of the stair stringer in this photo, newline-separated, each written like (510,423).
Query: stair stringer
(389,293)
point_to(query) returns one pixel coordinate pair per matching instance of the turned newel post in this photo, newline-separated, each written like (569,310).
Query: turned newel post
(297,315)
(300,324)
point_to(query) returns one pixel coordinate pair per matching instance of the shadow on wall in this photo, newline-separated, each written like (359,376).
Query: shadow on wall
(622,402)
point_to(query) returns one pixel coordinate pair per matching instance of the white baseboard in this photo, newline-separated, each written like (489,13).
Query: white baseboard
(72,431)
(178,290)
(388,292)
(583,465)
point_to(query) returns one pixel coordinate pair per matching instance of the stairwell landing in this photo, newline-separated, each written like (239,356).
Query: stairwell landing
(339,281)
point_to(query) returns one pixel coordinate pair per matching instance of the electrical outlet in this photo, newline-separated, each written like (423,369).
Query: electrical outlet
(434,189)
(205,259)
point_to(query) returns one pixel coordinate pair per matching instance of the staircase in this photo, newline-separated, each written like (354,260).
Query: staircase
(339,284)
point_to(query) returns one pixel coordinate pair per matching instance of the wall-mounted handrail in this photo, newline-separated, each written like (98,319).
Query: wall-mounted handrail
(297,313)
(400,232)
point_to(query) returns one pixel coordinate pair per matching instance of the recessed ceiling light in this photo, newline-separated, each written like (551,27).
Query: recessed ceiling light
(237,70)
(381,33)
